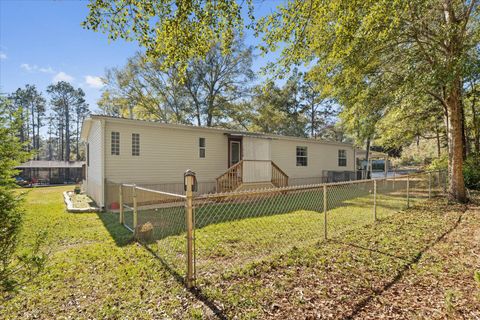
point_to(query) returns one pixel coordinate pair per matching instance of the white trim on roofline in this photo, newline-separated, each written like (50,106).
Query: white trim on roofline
(196,128)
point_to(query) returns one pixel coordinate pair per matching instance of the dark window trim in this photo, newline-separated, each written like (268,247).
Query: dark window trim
(342,160)
(202,148)
(136,147)
(301,160)
(115,145)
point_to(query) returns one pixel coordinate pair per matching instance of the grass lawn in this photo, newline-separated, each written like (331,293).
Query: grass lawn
(237,231)
(94,270)
(271,266)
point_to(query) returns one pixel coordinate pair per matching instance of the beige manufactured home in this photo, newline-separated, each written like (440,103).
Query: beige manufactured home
(151,153)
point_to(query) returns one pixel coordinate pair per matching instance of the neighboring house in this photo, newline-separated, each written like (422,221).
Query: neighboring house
(151,153)
(51,172)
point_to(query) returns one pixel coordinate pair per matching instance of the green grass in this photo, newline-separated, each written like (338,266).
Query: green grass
(240,230)
(94,270)
(249,256)
(329,277)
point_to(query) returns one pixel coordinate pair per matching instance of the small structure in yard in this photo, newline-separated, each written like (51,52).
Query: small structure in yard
(155,155)
(42,172)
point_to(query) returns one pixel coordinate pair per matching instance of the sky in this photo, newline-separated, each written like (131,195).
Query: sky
(42,42)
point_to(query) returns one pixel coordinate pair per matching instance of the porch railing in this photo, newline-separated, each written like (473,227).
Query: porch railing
(279,178)
(251,171)
(231,179)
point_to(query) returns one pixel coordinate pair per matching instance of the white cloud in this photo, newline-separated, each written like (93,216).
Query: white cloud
(3,55)
(62,76)
(35,68)
(46,70)
(94,82)
(26,67)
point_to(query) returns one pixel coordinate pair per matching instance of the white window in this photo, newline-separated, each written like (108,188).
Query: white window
(342,158)
(302,160)
(115,148)
(135,144)
(202,147)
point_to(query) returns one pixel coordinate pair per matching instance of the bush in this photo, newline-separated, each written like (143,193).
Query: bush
(11,221)
(16,267)
(471,172)
(439,163)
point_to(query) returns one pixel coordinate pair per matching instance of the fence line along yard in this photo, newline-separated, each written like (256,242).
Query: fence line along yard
(204,236)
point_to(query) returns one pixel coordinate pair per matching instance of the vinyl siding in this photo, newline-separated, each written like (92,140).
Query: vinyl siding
(320,157)
(165,154)
(256,148)
(94,170)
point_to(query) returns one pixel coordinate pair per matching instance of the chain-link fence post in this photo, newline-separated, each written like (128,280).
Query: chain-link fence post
(189,184)
(375,200)
(429,185)
(135,210)
(325,208)
(120,203)
(408,191)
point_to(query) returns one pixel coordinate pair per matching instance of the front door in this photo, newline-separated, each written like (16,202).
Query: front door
(235,152)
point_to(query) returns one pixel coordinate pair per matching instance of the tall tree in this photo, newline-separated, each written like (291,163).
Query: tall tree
(81,112)
(65,100)
(320,111)
(32,105)
(219,80)
(280,110)
(212,87)
(176,31)
(415,46)
(423,45)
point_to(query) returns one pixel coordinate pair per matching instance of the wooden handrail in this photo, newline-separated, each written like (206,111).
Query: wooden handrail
(229,169)
(279,178)
(231,179)
(278,168)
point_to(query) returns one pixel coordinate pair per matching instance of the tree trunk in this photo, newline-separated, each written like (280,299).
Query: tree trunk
(439,150)
(464,131)
(62,142)
(67,132)
(38,133)
(313,120)
(455,136)
(367,156)
(476,125)
(76,138)
(32,115)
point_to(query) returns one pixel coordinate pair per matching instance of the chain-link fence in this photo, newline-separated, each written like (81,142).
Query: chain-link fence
(228,231)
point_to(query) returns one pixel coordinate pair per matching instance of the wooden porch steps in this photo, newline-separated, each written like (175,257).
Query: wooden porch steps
(233,178)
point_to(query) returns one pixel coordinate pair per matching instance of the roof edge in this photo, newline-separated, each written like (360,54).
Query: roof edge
(217,129)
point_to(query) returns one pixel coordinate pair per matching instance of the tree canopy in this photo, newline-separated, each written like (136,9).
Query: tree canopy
(382,61)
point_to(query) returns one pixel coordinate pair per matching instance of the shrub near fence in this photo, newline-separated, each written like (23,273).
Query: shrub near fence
(231,230)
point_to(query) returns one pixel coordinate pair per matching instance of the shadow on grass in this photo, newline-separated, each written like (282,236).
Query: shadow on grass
(197,293)
(363,303)
(353,245)
(121,235)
